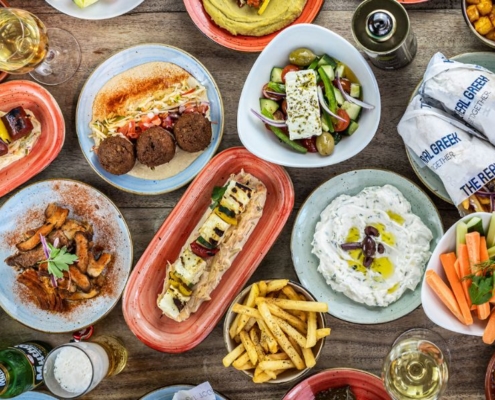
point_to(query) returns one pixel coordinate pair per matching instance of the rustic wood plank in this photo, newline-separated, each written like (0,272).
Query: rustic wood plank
(438,25)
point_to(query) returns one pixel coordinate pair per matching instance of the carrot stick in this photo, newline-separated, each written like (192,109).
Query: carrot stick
(444,293)
(448,261)
(483,310)
(489,333)
(457,269)
(473,240)
(465,270)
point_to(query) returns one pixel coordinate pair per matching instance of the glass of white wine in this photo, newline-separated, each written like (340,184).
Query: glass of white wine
(51,56)
(417,366)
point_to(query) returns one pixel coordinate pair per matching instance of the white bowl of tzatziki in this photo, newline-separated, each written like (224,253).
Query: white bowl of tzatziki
(370,246)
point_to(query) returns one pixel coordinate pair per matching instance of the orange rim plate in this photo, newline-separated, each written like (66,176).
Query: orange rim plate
(141,313)
(242,43)
(33,97)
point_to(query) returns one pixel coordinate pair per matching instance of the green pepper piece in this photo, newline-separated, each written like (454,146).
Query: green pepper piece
(276,87)
(329,93)
(282,136)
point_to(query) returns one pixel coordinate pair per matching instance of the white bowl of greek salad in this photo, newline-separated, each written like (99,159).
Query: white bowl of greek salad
(310,100)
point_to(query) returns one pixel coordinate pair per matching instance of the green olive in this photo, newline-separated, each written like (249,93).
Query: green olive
(302,57)
(325,144)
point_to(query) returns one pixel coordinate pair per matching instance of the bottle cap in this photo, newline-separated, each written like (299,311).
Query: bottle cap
(380,25)
(83,334)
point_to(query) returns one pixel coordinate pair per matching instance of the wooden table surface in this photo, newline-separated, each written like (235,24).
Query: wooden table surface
(439,26)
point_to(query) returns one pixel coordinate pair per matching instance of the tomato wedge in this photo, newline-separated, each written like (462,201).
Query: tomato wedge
(287,69)
(342,125)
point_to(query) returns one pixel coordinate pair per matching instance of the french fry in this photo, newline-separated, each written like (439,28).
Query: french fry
(275,365)
(270,340)
(261,378)
(249,346)
(270,373)
(245,310)
(244,367)
(280,336)
(263,288)
(292,332)
(299,305)
(233,327)
(322,332)
(297,323)
(253,294)
(295,345)
(309,358)
(253,334)
(249,325)
(277,356)
(311,335)
(276,285)
(233,355)
(291,293)
(243,359)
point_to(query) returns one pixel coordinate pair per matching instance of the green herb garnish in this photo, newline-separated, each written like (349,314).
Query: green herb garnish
(482,285)
(58,259)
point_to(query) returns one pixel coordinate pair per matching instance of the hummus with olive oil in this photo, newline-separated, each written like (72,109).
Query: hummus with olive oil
(404,238)
(246,21)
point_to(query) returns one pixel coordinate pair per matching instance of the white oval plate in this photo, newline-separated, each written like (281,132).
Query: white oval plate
(24,211)
(103,9)
(306,263)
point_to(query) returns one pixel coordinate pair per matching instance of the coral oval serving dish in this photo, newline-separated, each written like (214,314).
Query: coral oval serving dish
(33,97)
(141,312)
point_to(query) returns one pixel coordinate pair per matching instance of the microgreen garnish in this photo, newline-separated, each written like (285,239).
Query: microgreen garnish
(58,259)
(482,285)
(217,194)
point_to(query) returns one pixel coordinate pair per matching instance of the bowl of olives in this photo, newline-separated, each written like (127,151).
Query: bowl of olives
(310,100)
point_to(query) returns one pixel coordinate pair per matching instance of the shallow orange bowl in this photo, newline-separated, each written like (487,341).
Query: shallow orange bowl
(239,42)
(141,312)
(33,97)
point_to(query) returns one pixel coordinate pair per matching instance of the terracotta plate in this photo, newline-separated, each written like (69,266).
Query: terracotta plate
(139,305)
(242,43)
(32,96)
(24,211)
(364,385)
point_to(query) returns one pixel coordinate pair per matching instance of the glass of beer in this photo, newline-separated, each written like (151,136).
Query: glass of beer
(51,56)
(417,366)
(74,369)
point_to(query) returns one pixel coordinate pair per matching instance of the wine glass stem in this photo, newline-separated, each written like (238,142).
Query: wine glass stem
(45,68)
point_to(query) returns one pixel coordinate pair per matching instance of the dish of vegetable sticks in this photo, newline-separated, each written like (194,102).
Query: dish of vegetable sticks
(277,332)
(468,290)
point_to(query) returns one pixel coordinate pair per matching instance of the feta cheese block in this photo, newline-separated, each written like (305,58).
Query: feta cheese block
(303,109)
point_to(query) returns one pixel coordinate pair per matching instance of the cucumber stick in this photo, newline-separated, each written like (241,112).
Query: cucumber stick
(461,230)
(475,224)
(490,237)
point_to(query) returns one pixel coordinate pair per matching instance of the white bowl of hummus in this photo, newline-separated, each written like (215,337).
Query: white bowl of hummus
(319,40)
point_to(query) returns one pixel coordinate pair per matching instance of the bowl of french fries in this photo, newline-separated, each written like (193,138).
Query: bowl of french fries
(274,331)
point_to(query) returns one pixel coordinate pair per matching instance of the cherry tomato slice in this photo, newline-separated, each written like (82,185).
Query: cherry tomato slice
(287,69)
(342,125)
(310,144)
(201,251)
(346,84)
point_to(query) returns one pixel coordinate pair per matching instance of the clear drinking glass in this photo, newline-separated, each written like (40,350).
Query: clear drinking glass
(51,56)
(74,369)
(417,366)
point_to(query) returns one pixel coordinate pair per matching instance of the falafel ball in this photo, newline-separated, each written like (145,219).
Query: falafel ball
(116,155)
(192,132)
(155,146)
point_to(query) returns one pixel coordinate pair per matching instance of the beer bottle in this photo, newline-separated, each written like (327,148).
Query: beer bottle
(21,368)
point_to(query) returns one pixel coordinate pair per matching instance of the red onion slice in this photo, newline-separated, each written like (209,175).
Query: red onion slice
(272,122)
(353,99)
(325,107)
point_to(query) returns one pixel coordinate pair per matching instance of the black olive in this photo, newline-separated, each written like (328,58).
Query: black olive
(381,248)
(368,261)
(369,246)
(350,246)
(371,231)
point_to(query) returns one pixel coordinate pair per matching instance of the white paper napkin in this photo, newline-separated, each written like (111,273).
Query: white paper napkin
(200,392)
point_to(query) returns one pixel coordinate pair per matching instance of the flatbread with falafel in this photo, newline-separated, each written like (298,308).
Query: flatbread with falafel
(150,95)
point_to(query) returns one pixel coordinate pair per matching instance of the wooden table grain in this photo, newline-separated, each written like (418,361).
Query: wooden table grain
(438,25)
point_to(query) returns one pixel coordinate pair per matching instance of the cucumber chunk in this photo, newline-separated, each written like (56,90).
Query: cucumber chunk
(353,126)
(475,224)
(327,60)
(460,231)
(269,105)
(490,237)
(340,71)
(338,96)
(329,71)
(276,75)
(353,110)
(355,90)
